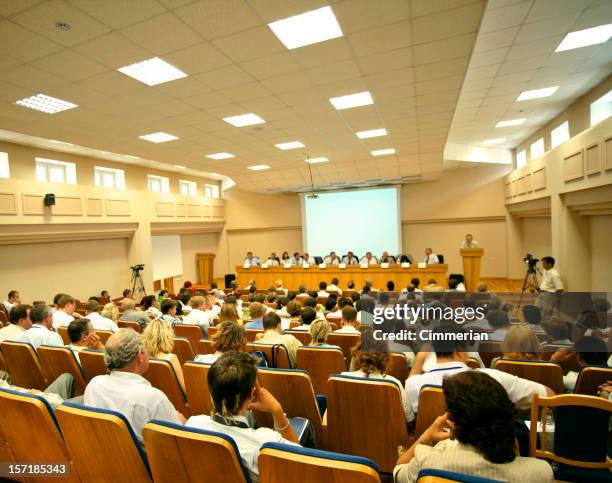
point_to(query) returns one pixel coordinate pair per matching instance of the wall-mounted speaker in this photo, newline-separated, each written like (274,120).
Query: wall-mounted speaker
(49,199)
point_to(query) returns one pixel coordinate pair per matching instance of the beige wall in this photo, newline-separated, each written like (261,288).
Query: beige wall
(536,233)
(190,246)
(601,253)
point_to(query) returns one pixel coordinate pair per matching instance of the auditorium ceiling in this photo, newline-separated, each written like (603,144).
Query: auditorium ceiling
(438,72)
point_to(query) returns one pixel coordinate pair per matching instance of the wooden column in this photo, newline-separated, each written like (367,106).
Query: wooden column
(206,262)
(471,266)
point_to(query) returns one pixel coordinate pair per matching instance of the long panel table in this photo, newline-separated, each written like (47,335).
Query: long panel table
(296,275)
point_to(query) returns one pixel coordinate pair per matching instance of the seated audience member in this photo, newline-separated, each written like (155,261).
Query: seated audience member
(416,282)
(163,294)
(281,305)
(12,300)
(331,259)
(312,303)
(92,312)
(349,322)
(498,320)
(127,294)
(588,324)
(110,311)
(229,312)
(302,292)
(216,291)
(234,389)
(605,390)
(521,343)
(229,337)
(294,309)
(198,315)
(125,390)
(158,339)
(19,322)
(365,308)
(251,260)
(257,312)
(168,310)
(296,259)
(187,285)
(453,283)
(370,359)
(55,393)
(64,310)
(533,316)
(336,312)
(40,332)
(130,313)
(451,356)
(333,287)
(330,305)
(464,440)
(83,336)
(319,330)
(351,285)
(482,287)
(432,286)
(350,259)
(322,290)
(104,294)
(273,260)
(557,330)
(273,335)
(278,286)
(369,259)
(390,286)
(307,316)
(410,293)
(430,257)
(149,306)
(589,350)
(386,258)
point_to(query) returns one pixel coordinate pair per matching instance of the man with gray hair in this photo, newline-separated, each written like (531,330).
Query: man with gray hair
(125,390)
(133,315)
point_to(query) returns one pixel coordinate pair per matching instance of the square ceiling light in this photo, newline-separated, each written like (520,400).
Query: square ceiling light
(220,156)
(158,137)
(289,145)
(352,100)
(510,122)
(372,133)
(586,37)
(307,28)
(44,103)
(259,167)
(382,152)
(152,71)
(244,120)
(537,93)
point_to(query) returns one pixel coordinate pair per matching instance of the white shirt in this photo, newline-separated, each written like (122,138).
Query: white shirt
(347,329)
(335,314)
(551,281)
(334,288)
(248,440)
(331,261)
(207,358)
(371,261)
(433,258)
(197,317)
(474,244)
(39,335)
(518,389)
(131,395)
(272,261)
(8,305)
(61,319)
(11,332)
(322,293)
(101,323)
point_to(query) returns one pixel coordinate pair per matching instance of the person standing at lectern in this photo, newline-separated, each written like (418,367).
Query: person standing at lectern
(430,257)
(469,242)
(251,260)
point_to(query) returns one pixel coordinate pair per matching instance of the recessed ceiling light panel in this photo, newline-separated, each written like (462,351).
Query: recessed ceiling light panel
(158,137)
(382,152)
(259,167)
(372,133)
(307,28)
(152,71)
(537,93)
(244,120)
(586,37)
(352,100)
(510,122)
(289,145)
(44,103)
(220,156)
(321,159)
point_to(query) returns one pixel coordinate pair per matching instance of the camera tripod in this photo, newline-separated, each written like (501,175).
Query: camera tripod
(137,283)
(530,283)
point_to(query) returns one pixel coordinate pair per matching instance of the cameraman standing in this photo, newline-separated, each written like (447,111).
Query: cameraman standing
(550,287)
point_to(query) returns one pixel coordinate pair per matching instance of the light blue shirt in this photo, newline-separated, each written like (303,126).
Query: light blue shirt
(39,335)
(252,261)
(254,324)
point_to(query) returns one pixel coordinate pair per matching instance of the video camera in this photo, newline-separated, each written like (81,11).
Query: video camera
(530,261)
(137,268)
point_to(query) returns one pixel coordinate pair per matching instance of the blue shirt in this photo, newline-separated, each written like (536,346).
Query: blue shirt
(39,335)
(253,261)
(254,324)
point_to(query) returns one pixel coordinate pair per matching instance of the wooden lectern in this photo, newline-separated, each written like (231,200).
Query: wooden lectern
(471,266)
(206,262)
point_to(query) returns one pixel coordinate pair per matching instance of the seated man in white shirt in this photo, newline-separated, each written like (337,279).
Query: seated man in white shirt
(19,322)
(350,259)
(369,259)
(273,260)
(12,300)
(273,334)
(63,314)
(251,260)
(92,312)
(331,259)
(322,290)
(500,322)
(125,390)
(386,258)
(198,314)
(430,257)
(83,336)
(333,286)
(234,389)
(307,259)
(40,332)
(336,311)
(469,242)
(349,322)
(451,356)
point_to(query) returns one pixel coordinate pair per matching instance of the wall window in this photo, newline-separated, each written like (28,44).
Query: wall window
(537,149)
(188,188)
(211,191)
(559,135)
(158,184)
(601,109)
(4,166)
(52,171)
(109,177)
(521,158)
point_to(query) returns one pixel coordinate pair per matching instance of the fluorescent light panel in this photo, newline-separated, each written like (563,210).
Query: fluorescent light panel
(244,120)
(537,93)
(179,166)
(307,28)
(322,159)
(510,122)
(382,152)
(259,167)
(352,100)
(130,156)
(488,142)
(152,71)
(586,37)
(289,145)
(372,133)
(55,141)
(158,137)
(220,156)
(44,103)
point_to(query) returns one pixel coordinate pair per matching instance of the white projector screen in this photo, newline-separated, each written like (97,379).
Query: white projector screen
(353,220)
(167,258)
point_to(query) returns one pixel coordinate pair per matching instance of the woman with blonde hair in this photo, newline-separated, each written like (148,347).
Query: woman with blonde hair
(319,330)
(111,311)
(278,286)
(229,314)
(521,343)
(229,337)
(158,338)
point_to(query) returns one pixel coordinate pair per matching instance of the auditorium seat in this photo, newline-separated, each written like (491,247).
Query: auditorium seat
(179,453)
(320,362)
(275,354)
(569,364)
(472,363)
(128,324)
(547,373)
(294,390)
(294,323)
(183,349)
(302,335)
(92,363)
(192,332)
(4,320)
(430,475)
(398,367)
(251,334)
(212,331)
(161,375)
(357,425)
(24,365)
(102,445)
(206,347)
(30,430)
(63,332)
(3,366)
(284,463)
(55,361)
(489,350)
(346,342)
(431,405)
(196,387)
(590,378)
(104,335)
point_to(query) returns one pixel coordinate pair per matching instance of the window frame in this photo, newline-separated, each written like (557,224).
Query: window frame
(521,160)
(214,189)
(118,177)
(164,183)
(47,165)
(5,168)
(601,105)
(192,187)
(532,154)
(561,128)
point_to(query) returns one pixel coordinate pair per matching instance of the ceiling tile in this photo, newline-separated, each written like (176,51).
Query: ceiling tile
(119,13)
(440,70)
(357,15)
(446,49)
(270,66)
(22,44)
(334,50)
(261,41)
(202,57)
(449,23)
(507,16)
(225,77)
(381,39)
(153,34)
(70,65)
(113,50)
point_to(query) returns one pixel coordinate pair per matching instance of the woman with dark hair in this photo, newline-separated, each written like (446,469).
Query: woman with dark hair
(475,436)
(149,305)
